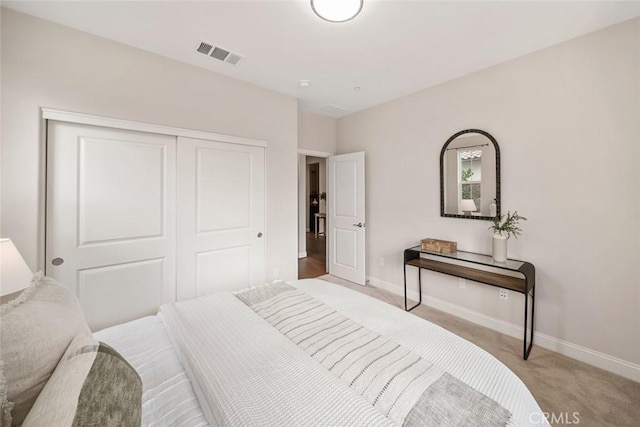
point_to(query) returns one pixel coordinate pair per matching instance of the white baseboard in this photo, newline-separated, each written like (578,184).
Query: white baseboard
(302,254)
(592,357)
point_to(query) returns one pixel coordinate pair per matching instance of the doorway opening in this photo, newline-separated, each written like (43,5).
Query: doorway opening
(312,261)
(340,197)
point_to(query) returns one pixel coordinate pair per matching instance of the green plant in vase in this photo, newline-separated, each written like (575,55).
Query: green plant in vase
(503,228)
(508,224)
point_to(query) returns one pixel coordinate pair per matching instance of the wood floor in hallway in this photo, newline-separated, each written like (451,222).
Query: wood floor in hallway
(314,264)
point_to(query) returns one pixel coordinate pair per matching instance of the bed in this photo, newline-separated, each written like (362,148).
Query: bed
(306,352)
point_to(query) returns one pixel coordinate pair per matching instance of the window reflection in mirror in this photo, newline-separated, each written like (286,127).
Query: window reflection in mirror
(470,182)
(470,179)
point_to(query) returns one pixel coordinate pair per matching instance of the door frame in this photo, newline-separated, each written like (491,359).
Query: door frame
(87,119)
(302,185)
(109,122)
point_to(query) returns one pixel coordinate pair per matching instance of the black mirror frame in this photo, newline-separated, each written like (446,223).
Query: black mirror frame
(498,200)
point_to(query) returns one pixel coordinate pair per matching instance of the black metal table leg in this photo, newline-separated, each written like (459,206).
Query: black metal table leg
(419,289)
(527,349)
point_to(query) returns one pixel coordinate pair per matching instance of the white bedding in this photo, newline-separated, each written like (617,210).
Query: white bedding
(247,373)
(167,397)
(259,376)
(459,357)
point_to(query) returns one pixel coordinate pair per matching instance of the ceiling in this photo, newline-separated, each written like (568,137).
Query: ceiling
(393,48)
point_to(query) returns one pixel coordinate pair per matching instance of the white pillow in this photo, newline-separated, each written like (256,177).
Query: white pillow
(37,328)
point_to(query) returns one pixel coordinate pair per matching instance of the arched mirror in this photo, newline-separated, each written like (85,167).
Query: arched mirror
(470,176)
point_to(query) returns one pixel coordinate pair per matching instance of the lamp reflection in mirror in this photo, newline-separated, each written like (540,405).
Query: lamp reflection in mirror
(337,10)
(15,275)
(467,206)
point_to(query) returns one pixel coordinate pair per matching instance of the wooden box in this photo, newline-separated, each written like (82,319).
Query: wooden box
(442,246)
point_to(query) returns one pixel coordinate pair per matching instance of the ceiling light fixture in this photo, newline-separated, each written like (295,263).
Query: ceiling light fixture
(337,10)
(304,83)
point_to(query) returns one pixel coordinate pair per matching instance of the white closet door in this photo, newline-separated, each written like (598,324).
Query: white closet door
(221,205)
(111,219)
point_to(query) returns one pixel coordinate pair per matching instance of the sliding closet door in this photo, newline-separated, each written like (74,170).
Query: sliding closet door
(221,205)
(111,219)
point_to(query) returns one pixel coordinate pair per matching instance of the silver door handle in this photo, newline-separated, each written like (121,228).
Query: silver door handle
(57,261)
(359,225)
(259,235)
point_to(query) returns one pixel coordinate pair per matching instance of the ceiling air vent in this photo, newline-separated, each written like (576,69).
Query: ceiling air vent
(233,59)
(219,53)
(205,48)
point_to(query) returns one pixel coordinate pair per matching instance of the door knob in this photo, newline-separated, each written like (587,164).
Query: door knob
(259,235)
(57,261)
(359,225)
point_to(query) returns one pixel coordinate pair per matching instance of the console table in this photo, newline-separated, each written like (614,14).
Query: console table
(321,216)
(479,268)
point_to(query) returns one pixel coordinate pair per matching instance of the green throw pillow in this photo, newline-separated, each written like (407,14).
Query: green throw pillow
(93,385)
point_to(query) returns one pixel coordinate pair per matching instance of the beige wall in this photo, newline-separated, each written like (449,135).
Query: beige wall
(45,64)
(316,133)
(574,104)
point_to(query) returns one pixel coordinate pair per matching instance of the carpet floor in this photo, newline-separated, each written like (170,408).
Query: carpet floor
(571,392)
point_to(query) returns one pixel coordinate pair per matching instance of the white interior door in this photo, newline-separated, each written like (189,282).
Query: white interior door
(110,233)
(221,217)
(346,217)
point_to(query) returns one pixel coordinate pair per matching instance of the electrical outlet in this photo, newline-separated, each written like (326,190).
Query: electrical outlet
(504,294)
(462,283)
(276,273)
(382,261)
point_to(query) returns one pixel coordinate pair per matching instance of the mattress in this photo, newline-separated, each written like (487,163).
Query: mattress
(168,398)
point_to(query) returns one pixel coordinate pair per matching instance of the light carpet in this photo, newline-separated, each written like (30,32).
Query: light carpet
(572,392)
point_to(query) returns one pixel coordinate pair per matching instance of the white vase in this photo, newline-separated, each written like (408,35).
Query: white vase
(500,247)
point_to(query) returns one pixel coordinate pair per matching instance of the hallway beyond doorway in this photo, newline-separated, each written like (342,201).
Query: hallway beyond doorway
(315,264)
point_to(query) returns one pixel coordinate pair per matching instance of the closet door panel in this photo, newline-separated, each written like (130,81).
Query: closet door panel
(127,204)
(224,269)
(111,219)
(138,283)
(223,190)
(220,217)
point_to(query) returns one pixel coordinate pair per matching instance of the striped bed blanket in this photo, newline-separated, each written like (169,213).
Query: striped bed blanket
(311,353)
(404,387)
